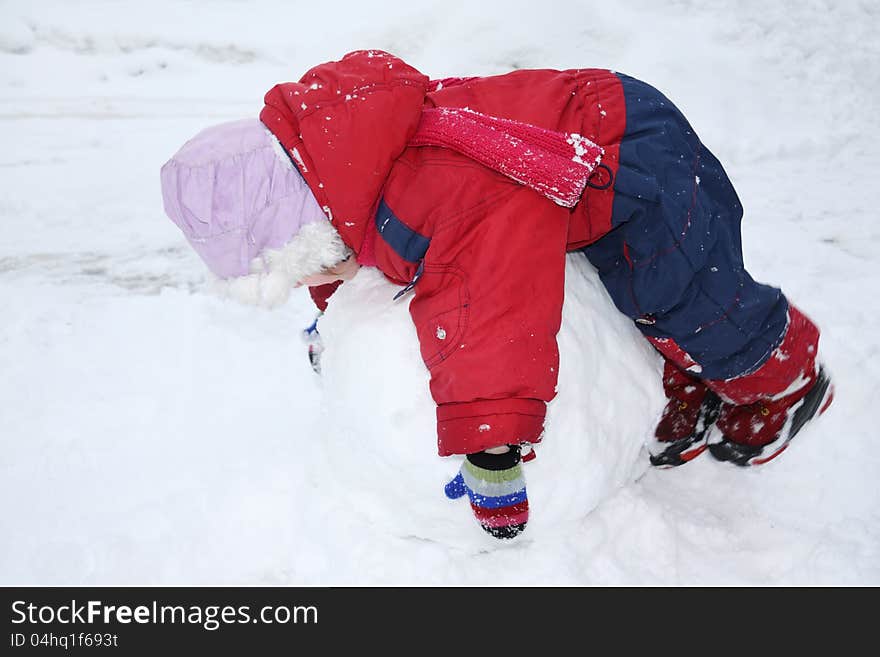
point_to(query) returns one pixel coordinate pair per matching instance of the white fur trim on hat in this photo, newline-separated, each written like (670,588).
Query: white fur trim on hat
(274,272)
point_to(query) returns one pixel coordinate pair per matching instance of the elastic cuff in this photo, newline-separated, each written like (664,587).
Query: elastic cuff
(496,461)
(789,369)
(474,426)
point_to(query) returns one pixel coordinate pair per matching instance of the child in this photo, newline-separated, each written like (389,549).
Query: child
(470,192)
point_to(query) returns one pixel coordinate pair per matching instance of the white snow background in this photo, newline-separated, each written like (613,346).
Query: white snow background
(151,433)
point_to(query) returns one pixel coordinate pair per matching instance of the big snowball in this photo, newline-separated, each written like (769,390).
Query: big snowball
(379,428)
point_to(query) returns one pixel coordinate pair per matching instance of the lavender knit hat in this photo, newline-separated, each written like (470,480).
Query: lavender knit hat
(248,212)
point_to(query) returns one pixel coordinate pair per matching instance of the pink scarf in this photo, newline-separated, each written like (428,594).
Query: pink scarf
(555,164)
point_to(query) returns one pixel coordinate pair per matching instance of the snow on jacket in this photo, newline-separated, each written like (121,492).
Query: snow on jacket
(487,254)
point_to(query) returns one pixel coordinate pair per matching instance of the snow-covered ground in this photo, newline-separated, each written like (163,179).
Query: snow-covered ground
(151,433)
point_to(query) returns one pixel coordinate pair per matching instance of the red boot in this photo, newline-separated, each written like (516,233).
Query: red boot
(756,433)
(764,410)
(692,408)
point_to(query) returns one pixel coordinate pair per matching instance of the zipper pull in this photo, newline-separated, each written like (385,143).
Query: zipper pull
(310,332)
(413,282)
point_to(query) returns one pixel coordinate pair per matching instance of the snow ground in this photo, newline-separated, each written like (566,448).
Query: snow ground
(153,434)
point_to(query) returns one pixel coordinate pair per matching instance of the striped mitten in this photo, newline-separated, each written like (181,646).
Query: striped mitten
(497,490)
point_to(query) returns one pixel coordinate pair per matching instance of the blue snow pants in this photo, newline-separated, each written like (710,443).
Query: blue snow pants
(673,260)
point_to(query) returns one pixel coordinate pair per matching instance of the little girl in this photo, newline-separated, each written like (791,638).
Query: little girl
(470,192)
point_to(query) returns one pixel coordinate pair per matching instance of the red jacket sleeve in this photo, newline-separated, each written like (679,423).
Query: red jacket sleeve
(487,309)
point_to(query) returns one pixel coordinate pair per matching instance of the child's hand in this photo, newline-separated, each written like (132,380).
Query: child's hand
(496,488)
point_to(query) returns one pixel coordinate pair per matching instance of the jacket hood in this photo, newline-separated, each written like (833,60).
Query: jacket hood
(343,125)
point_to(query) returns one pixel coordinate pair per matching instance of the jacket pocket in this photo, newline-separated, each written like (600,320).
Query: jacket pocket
(440,312)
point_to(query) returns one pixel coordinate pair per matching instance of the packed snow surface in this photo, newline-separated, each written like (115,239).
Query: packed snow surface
(155,434)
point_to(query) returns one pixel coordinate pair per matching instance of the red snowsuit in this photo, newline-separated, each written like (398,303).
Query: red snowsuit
(489,292)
